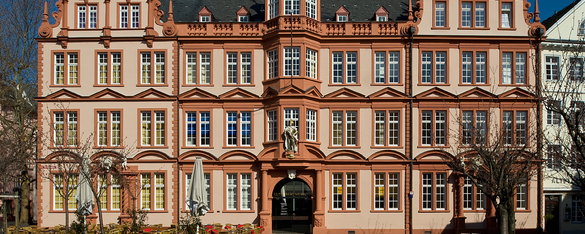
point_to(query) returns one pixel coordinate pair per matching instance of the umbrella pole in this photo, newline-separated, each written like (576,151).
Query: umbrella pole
(84,224)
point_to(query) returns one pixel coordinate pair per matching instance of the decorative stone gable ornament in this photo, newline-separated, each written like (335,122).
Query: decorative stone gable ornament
(291,174)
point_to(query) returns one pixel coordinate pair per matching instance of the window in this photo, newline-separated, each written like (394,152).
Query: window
(387,128)
(239,191)
(65,125)
(207,186)
(109,128)
(204,18)
(473,198)
(204,75)
(474,128)
(386,191)
(292,7)
(147,70)
(387,74)
(311,8)
(87,16)
(64,186)
(272,121)
(103,192)
(239,128)
(440,14)
(434,191)
(292,61)
(349,76)
(576,69)
(434,128)
(243,18)
(434,68)
(311,61)
(241,62)
(272,64)
(273,9)
(553,157)
(344,194)
(291,114)
(576,209)
(474,71)
(506,15)
(109,68)
(553,117)
(521,197)
(341,18)
(311,125)
(515,127)
(65,71)
(198,132)
(151,187)
(576,109)
(513,68)
(382,19)
(581,30)
(129,16)
(552,68)
(473,14)
(115,194)
(344,128)
(147,126)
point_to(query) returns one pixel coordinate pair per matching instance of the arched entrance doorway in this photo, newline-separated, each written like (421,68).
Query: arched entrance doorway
(292,207)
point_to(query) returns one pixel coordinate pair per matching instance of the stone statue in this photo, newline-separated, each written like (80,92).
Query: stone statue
(291,137)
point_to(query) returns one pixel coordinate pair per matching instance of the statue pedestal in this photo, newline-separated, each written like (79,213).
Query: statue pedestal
(290,154)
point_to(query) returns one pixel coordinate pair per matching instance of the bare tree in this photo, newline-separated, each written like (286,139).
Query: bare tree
(18,69)
(67,167)
(498,159)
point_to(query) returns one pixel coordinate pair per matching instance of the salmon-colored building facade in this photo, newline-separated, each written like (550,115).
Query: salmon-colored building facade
(374,89)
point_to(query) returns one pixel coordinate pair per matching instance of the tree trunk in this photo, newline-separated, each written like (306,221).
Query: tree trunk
(502,217)
(512,217)
(66,206)
(25,197)
(99,206)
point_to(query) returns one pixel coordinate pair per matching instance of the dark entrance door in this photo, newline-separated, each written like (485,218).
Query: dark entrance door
(552,214)
(292,207)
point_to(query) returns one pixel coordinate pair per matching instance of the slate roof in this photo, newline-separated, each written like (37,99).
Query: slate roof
(558,15)
(225,10)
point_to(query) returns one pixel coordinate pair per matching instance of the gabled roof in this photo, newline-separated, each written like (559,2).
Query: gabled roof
(225,10)
(550,21)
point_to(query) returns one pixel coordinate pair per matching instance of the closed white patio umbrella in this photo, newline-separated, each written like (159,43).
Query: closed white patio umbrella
(83,195)
(196,194)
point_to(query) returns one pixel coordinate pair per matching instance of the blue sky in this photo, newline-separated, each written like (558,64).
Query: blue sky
(548,7)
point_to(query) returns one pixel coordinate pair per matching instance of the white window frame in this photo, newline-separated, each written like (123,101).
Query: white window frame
(191,68)
(158,187)
(81,16)
(272,63)
(273,9)
(342,18)
(200,121)
(245,68)
(272,122)
(552,65)
(292,61)
(440,14)
(292,7)
(204,68)
(102,122)
(311,125)
(311,61)
(380,67)
(522,197)
(232,68)
(311,8)
(506,17)
(145,68)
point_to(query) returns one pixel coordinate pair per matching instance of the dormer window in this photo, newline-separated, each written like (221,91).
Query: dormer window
(381,14)
(243,15)
(204,15)
(342,14)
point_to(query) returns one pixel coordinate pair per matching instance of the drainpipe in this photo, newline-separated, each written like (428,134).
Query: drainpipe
(178,137)
(539,144)
(411,31)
